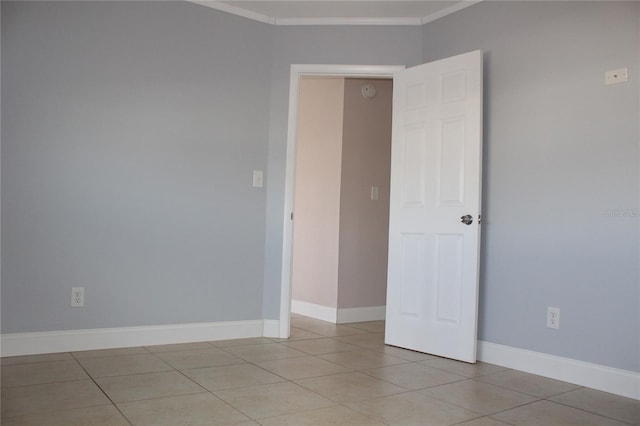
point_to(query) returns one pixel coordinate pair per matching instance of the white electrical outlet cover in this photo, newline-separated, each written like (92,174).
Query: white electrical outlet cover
(553,317)
(77,297)
(619,75)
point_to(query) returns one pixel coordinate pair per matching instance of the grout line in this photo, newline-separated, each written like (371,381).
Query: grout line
(538,399)
(102,390)
(564,404)
(212,392)
(513,408)
(483,416)
(504,386)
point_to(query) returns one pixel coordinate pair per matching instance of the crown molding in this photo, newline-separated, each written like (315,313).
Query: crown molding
(448,11)
(238,11)
(348,21)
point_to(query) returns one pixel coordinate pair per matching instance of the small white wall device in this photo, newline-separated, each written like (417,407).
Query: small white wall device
(368,91)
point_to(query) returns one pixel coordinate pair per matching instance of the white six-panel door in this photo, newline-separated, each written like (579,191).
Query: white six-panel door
(432,288)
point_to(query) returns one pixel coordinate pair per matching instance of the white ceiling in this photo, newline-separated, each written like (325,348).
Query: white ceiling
(340,12)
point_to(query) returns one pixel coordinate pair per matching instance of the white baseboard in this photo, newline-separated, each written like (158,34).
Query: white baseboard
(607,379)
(105,338)
(321,312)
(367,313)
(271,328)
(338,316)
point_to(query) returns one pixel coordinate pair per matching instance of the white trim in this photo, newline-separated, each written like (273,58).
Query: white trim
(106,338)
(337,70)
(297,71)
(338,315)
(312,310)
(383,20)
(271,328)
(362,314)
(349,21)
(238,11)
(448,11)
(607,379)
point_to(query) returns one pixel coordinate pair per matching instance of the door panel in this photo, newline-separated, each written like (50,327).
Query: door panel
(432,288)
(451,166)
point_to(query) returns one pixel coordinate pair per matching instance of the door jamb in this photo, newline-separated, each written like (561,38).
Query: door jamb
(297,71)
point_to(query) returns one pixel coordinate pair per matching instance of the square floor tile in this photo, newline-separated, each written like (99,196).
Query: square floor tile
(362,359)
(265,352)
(334,330)
(179,347)
(306,322)
(480,397)
(300,334)
(135,387)
(528,383)
(414,376)
(413,408)
(231,376)
(373,326)
(273,400)
(101,415)
(301,368)
(11,360)
(321,346)
(338,416)
(407,354)
(350,387)
(199,358)
(42,372)
(374,341)
(551,414)
(101,353)
(22,400)
(241,342)
(123,364)
(196,409)
(463,368)
(483,421)
(603,403)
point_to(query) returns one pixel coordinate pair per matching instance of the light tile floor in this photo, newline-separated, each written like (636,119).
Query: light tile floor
(325,374)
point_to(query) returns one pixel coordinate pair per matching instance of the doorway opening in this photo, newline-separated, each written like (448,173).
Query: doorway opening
(298,73)
(341,199)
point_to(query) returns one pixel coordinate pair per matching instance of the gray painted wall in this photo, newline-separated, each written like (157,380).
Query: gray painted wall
(561,154)
(127,159)
(130,133)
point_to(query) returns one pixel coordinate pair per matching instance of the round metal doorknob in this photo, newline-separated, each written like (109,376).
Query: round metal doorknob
(467,219)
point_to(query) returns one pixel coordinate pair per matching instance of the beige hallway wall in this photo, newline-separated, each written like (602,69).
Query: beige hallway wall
(340,234)
(314,271)
(364,223)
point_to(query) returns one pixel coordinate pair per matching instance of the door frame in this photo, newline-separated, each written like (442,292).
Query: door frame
(298,71)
